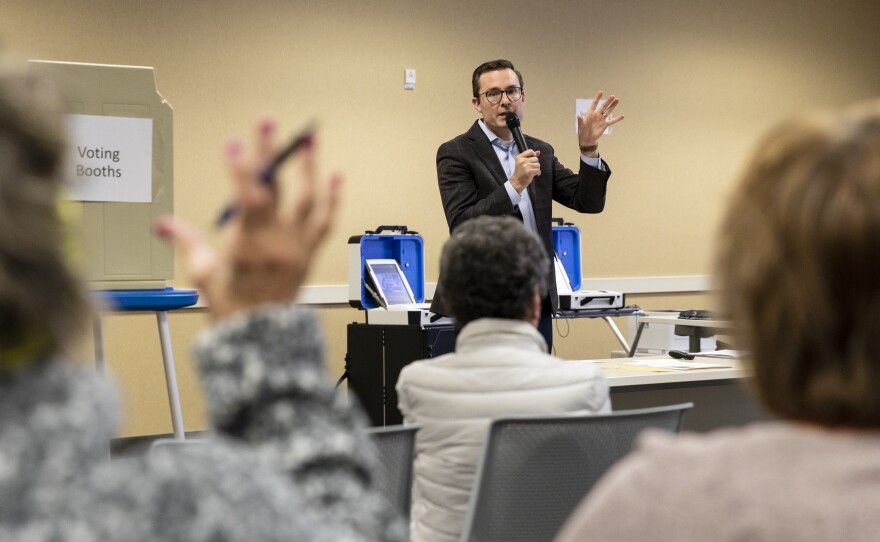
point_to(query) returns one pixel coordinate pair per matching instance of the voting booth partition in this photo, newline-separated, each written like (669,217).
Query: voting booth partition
(390,338)
(121,179)
(121,171)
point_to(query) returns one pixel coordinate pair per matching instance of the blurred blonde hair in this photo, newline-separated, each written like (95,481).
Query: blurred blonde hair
(42,305)
(799,267)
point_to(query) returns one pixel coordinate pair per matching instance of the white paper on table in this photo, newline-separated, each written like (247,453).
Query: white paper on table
(674,364)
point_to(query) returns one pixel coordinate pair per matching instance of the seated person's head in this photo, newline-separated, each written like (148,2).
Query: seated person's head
(41,305)
(492,267)
(799,268)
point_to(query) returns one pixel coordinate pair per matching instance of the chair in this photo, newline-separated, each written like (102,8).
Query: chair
(396,446)
(535,470)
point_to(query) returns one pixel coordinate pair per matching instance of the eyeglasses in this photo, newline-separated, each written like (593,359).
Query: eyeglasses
(494,96)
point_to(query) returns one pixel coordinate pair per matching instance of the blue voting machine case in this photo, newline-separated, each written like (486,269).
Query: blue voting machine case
(567,244)
(407,247)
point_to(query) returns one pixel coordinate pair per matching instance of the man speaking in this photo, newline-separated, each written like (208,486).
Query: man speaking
(485,171)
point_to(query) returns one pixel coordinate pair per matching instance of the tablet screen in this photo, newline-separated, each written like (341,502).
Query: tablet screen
(389,282)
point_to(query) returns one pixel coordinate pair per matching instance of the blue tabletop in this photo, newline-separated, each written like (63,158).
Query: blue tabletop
(147,300)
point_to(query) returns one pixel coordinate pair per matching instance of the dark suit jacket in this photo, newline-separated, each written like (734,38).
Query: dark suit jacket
(472,179)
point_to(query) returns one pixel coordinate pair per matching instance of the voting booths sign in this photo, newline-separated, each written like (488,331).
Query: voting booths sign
(110,159)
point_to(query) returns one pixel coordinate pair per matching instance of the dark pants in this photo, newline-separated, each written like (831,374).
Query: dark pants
(545,324)
(545,327)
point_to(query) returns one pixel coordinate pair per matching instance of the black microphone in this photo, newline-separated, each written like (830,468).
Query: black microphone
(513,126)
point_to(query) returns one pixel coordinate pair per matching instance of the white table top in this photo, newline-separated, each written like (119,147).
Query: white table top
(635,376)
(673,319)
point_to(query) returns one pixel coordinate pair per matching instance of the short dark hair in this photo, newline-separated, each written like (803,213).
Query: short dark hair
(492,66)
(491,267)
(799,267)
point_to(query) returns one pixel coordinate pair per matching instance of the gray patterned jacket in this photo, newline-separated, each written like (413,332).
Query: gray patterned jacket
(286,463)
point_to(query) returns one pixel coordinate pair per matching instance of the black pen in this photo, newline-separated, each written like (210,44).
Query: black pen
(267,176)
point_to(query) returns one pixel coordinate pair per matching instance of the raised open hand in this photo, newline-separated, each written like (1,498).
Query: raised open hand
(593,123)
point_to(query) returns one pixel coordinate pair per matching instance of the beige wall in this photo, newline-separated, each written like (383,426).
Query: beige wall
(698,82)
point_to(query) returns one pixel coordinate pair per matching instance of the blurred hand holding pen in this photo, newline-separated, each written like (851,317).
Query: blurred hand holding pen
(267,176)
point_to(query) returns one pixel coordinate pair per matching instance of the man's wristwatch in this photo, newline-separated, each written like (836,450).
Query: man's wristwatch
(591,148)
